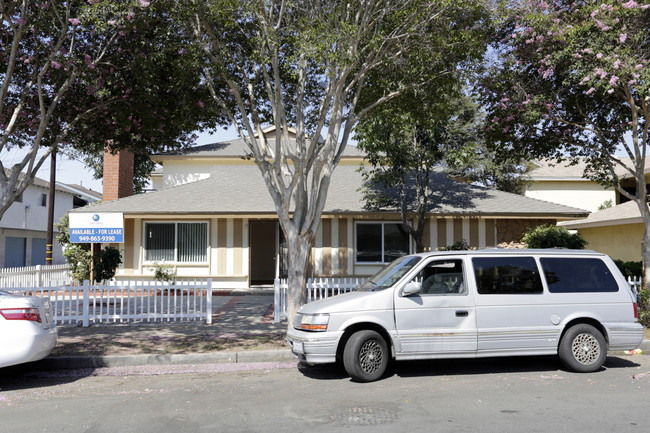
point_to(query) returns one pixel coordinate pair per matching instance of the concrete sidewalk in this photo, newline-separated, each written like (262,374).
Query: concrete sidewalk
(235,315)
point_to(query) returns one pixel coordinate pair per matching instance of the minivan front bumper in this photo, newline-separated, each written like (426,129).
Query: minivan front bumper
(314,347)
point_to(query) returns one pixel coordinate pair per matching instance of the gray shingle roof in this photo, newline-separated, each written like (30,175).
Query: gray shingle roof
(233,148)
(626,213)
(240,189)
(553,170)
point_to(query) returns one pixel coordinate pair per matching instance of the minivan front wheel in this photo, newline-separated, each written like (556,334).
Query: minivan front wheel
(583,349)
(365,356)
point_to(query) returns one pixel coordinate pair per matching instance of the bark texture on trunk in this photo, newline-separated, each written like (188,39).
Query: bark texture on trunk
(299,250)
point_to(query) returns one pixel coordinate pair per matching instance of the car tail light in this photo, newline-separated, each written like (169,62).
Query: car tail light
(636,310)
(31,314)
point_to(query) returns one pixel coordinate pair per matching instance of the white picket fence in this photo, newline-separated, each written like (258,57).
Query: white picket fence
(317,288)
(35,276)
(636,284)
(127,301)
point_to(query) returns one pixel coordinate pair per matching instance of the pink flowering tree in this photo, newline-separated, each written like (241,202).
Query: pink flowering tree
(572,80)
(81,74)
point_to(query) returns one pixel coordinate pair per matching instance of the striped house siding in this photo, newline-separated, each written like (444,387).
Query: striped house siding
(333,253)
(442,232)
(230,244)
(509,230)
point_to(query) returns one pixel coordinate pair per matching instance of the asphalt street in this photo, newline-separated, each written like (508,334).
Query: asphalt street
(494,395)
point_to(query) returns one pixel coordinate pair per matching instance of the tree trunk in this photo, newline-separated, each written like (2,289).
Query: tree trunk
(645,216)
(299,251)
(641,201)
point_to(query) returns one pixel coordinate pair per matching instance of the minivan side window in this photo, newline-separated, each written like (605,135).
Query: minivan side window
(441,277)
(577,275)
(507,276)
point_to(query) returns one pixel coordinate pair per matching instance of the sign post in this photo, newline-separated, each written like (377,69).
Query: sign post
(94,228)
(97,228)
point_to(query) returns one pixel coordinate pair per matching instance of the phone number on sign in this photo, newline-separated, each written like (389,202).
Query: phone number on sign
(97,239)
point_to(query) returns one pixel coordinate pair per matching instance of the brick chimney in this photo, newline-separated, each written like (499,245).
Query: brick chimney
(118,174)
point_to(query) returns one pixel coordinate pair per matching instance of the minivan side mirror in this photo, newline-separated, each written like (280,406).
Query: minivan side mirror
(411,288)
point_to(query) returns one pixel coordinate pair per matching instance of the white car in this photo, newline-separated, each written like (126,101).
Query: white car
(27,332)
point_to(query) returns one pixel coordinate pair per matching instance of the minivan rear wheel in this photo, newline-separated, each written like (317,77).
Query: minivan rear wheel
(583,348)
(365,356)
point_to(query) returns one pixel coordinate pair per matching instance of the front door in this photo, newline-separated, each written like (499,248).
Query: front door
(263,251)
(441,318)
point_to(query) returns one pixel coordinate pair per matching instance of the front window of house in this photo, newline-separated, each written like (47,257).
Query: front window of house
(380,242)
(181,242)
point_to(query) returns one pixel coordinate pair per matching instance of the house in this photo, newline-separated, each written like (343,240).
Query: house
(214,218)
(82,196)
(563,182)
(23,228)
(617,231)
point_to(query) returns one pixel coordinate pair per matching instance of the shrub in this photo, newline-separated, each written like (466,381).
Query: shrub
(549,236)
(163,273)
(106,263)
(78,258)
(461,245)
(630,269)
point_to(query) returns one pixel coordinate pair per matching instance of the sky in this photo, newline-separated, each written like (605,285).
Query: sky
(75,172)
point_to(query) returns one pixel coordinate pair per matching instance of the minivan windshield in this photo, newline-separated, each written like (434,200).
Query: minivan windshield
(391,274)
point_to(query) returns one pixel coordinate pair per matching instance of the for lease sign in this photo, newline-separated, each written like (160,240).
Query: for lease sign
(97,227)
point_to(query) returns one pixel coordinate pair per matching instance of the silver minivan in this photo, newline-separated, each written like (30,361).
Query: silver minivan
(471,304)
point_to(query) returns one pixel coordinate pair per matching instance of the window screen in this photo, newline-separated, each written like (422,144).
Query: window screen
(507,275)
(576,275)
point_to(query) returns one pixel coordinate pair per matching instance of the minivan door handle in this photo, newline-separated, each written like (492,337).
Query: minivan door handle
(462,313)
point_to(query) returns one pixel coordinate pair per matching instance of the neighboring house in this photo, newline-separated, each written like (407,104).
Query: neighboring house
(82,196)
(616,231)
(214,218)
(23,228)
(564,183)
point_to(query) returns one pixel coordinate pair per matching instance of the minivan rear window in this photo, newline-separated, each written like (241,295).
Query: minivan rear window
(577,275)
(507,276)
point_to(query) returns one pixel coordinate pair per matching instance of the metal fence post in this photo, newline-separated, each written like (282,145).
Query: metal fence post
(208,313)
(86,303)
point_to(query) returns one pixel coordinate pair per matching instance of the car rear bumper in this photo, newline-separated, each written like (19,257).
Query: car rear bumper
(27,346)
(624,336)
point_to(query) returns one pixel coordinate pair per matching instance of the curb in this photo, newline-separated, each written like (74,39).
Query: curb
(73,362)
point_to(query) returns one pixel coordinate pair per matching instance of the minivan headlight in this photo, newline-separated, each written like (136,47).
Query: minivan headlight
(311,322)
